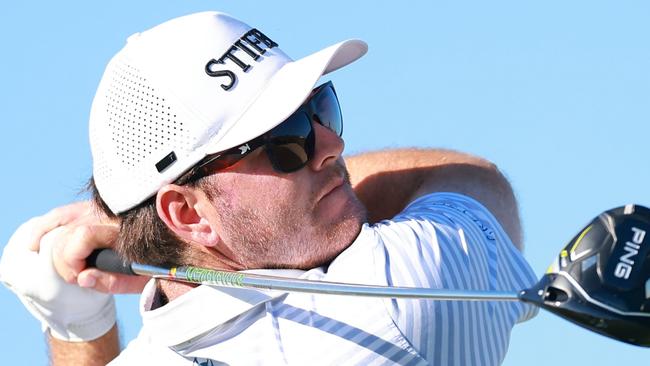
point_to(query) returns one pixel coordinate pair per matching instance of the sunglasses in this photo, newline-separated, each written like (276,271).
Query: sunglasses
(290,145)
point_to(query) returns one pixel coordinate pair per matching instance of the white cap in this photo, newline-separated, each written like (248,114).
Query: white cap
(190,87)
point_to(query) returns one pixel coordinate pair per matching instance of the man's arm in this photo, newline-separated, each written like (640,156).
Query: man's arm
(387,181)
(98,352)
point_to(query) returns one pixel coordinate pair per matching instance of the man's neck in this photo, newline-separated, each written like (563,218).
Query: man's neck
(167,291)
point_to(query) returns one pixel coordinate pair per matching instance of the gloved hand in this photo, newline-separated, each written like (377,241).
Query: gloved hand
(70,312)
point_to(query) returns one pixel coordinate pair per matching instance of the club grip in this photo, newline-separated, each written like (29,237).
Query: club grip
(107,260)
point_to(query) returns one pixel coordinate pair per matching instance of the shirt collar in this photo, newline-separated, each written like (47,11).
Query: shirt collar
(202,309)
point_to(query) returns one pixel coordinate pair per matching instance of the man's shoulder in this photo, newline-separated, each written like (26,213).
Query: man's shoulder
(426,222)
(426,215)
(441,202)
(435,212)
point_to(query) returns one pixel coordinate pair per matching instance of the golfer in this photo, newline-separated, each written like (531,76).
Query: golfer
(211,147)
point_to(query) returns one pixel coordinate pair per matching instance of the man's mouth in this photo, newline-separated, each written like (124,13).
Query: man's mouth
(330,187)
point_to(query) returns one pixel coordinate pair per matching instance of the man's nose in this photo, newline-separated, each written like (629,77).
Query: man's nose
(328,147)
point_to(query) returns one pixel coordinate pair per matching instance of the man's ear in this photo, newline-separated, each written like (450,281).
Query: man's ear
(179,208)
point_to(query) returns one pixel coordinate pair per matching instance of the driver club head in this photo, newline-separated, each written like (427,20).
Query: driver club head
(601,279)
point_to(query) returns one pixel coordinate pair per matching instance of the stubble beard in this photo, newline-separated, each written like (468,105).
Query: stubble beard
(285,235)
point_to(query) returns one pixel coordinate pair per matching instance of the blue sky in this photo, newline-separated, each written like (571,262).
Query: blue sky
(556,93)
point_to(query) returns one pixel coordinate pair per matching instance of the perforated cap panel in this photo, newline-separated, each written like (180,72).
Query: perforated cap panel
(132,127)
(140,121)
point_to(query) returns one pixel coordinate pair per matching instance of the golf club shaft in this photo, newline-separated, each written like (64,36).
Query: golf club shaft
(108,260)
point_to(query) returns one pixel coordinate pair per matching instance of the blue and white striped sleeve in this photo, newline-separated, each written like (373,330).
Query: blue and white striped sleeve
(450,241)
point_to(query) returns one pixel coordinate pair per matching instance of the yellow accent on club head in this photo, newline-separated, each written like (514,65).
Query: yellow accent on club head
(582,235)
(564,253)
(550,269)
(554,267)
(172,271)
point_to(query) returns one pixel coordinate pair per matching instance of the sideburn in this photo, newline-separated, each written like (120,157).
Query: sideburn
(145,239)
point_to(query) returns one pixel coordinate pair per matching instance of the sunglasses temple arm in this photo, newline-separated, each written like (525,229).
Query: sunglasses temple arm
(107,260)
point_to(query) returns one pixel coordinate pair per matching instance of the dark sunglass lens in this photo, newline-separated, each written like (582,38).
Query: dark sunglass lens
(291,144)
(328,111)
(296,125)
(288,154)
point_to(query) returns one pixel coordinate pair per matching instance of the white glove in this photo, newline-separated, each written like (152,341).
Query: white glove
(70,312)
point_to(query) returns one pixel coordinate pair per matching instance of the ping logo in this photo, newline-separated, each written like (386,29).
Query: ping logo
(630,250)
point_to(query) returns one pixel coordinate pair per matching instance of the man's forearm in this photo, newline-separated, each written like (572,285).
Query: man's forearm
(386,181)
(99,351)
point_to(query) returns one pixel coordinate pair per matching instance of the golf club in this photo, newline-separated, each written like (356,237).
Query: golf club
(600,280)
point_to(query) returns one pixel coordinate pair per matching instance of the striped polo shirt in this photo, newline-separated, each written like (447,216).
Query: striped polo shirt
(442,240)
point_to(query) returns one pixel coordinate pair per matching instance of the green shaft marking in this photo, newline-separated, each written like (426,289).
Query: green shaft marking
(215,277)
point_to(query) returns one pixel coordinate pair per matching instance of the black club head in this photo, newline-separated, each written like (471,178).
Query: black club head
(601,279)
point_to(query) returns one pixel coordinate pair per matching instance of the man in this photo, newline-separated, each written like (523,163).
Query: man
(212,148)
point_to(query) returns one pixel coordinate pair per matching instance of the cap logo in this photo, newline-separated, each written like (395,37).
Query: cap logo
(254,43)
(244,149)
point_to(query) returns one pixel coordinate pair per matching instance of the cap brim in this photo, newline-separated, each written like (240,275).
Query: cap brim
(285,92)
